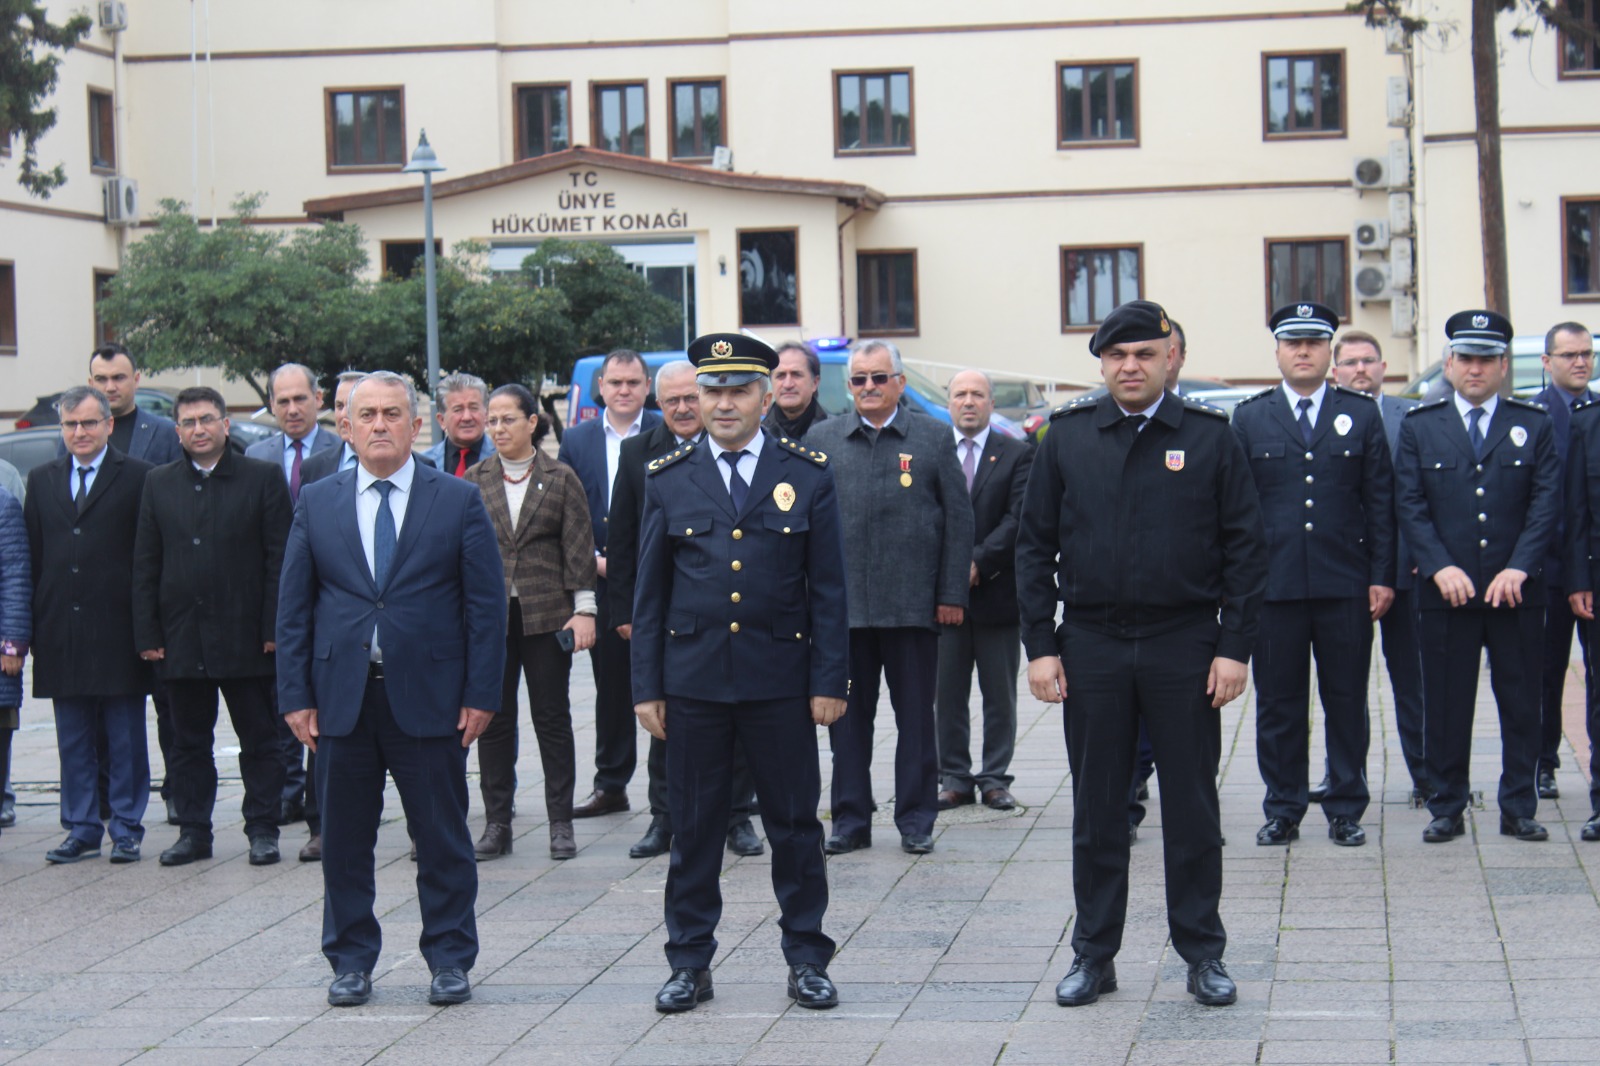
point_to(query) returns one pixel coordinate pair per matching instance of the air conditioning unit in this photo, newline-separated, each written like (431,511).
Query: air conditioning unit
(1399,101)
(1400,164)
(121,201)
(722,158)
(1399,214)
(1372,283)
(1402,315)
(113,16)
(1371,235)
(1370,172)
(1402,271)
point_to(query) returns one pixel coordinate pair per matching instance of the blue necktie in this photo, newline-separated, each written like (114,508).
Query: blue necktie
(383,538)
(737,488)
(1305,418)
(1475,432)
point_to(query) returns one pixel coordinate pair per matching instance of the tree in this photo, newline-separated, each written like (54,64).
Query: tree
(611,304)
(27,78)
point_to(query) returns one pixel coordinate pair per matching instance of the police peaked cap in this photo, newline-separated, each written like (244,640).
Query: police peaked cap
(1303,320)
(1478,333)
(731,359)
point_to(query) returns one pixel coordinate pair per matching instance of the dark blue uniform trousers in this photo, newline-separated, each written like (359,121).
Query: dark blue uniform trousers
(780,742)
(431,775)
(1402,654)
(1559,622)
(908,657)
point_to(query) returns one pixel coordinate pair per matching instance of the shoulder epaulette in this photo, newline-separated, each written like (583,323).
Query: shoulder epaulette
(820,458)
(661,462)
(1530,404)
(1082,403)
(1586,405)
(1352,392)
(1252,399)
(1428,406)
(1201,407)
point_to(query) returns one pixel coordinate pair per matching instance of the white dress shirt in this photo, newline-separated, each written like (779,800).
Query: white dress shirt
(747,461)
(614,448)
(367,501)
(1464,408)
(1316,398)
(307,442)
(94,471)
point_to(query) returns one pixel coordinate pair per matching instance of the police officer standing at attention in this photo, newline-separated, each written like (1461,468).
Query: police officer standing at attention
(1479,498)
(741,636)
(1142,519)
(1326,482)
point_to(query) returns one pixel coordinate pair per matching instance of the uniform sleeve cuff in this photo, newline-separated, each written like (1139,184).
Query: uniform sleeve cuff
(1234,646)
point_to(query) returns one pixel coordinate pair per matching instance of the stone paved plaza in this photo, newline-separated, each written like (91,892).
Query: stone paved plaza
(1478,951)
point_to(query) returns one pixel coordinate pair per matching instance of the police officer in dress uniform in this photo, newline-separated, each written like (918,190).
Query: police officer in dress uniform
(1479,498)
(1581,559)
(1322,468)
(1141,518)
(741,635)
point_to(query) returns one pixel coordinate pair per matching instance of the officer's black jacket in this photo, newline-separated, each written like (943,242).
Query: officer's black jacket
(1581,550)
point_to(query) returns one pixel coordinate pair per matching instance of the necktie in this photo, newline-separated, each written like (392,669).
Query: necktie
(294,471)
(383,538)
(1475,432)
(461,463)
(737,488)
(83,486)
(1304,418)
(969,462)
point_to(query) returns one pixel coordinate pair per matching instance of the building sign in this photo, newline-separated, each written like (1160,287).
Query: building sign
(585,208)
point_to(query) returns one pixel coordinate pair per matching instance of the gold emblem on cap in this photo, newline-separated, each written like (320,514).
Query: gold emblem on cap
(783,496)
(1164,327)
(721,349)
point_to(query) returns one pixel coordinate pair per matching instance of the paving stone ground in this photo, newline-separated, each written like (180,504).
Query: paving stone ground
(1477,951)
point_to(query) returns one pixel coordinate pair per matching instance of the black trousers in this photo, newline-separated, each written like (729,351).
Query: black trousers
(1592,722)
(1453,641)
(1402,655)
(1114,684)
(194,765)
(780,741)
(1339,633)
(616,744)
(538,658)
(660,799)
(907,657)
(1559,622)
(431,776)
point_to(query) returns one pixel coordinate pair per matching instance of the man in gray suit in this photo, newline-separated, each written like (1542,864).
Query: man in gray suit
(1358,364)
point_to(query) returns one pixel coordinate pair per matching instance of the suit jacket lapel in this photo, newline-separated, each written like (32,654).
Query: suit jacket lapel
(1325,418)
(1499,427)
(1279,404)
(703,472)
(344,520)
(62,491)
(110,467)
(488,479)
(988,459)
(532,500)
(423,492)
(766,476)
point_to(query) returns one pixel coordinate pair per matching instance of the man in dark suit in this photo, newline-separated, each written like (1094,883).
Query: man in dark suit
(908,521)
(739,639)
(1358,364)
(996,471)
(79,511)
(205,580)
(1569,363)
(594,450)
(1326,482)
(1479,499)
(391,643)
(795,407)
(678,396)
(1581,566)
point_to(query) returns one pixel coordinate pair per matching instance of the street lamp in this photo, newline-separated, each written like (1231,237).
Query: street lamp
(424,162)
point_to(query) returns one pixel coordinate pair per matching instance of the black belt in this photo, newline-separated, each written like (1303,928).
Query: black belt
(375,671)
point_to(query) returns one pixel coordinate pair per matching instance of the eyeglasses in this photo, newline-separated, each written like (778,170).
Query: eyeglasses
(508,421)
(203,422)
(1585,355)
(89,424)
(691,400)
(859,380)
(1368,360)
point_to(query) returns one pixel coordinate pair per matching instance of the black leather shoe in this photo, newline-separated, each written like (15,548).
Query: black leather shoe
(450,985)
(1547,785)
(124,851)
(312,852)
(188,848)
(350,990)
(263,851)
(73,850)
(810,987)
(951,798)
(1522,829)
(1085,981)
(291,811)
(1442,829)
(999,799)
(1345,832)
(844,843)
(1591,828)
(657,840)
(742,840)
(684,990)
(495,842)
(1319,791)
(1277,831)
(1210,984)
(601,802)
(916,843)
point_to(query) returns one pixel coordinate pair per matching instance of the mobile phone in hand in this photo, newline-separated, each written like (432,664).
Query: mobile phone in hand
(566,639)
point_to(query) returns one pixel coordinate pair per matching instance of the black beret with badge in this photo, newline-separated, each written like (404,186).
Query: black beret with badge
(1478,333)
(723,359)
(1134,321)
(1303,320)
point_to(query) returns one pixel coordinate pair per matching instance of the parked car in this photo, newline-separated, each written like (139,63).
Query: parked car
(149,398)
(1527,371)
(1022,402)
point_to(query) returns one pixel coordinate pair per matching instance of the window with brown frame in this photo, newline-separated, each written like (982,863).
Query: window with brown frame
(543,119)
(886,292)
(620,119)
(698,123)
(1580,248)
(102,131)
(1098,104)
(1095,281)
(769,277)
(8,309)
(872,111)
(103,334)
(1309,269)
(1302,94)
(1580,52)
(366,129)
(401,258)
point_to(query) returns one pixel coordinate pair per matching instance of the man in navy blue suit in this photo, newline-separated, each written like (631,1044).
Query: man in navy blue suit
(391,643)
(594,450)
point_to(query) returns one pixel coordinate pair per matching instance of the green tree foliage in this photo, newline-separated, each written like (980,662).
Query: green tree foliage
(611,305)
(29,66)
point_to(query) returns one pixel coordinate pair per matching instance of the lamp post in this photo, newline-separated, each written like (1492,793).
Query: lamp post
(424,162)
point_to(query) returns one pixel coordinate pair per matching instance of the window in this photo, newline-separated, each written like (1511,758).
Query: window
(8,309)
(886,292)
(103,334)
(620,122)
(366,129)
(400,258)
(1580,247)
(769,283)
(697,118)
(1098,104)
(1313,269)
(872,111)
(1303,94)
(1580,54)
(543,120)
(1095,281)
(102,131)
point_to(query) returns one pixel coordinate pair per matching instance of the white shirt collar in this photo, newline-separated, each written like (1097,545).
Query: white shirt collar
(753,449)
(92,464)
(1463,407)
(306,441)
(400,479)
(980,438)
(633,427)
(1148,412)
(1316,399)
(895,410)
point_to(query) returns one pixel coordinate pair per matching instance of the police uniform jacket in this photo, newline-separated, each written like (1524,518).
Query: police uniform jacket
(733,607)
(1141,533)
(1483,516)
(1560,404)
(1581,547)
(1327,506)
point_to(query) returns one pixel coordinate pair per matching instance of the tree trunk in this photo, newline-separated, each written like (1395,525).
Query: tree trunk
(1491,184)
